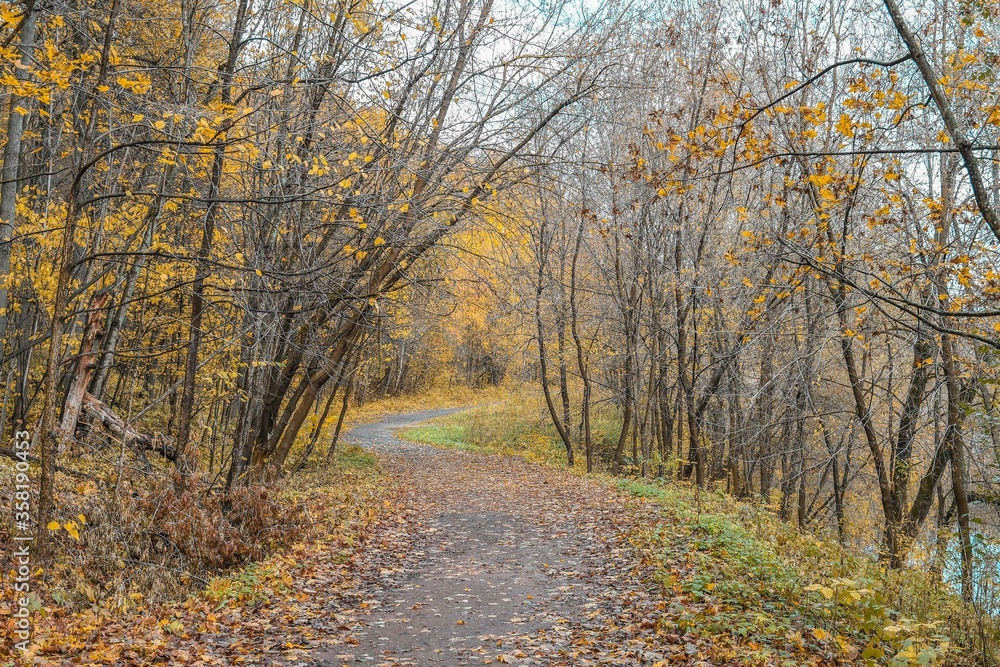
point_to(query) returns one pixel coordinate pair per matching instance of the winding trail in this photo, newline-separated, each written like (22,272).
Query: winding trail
(494,559)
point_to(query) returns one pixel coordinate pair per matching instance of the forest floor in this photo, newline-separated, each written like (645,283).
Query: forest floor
(450,558)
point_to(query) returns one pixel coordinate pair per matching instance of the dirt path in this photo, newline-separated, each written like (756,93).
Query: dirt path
(494,560)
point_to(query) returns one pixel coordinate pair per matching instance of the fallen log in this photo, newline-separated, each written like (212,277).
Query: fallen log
(99,413)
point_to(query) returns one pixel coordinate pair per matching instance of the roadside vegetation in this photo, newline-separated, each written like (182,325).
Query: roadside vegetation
(734,572)
(109,607)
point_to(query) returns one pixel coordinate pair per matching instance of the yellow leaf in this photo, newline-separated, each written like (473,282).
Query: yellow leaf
(53,525)
(379,241)
(159,125)
(405,207)
(139,85)
(844,125)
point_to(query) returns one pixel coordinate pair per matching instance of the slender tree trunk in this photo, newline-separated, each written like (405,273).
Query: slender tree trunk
(9,183)
(957,446)
(340,420)
(52,437)
(628,383)
(543,370)
(581,363)
(188,460)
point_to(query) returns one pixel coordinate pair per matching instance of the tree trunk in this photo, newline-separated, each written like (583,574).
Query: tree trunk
(543,368)
(578,344)
(340,420)
(186,462)
(85,364)
(9,183)
(957,447)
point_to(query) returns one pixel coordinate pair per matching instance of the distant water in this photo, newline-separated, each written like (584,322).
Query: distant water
(985,570)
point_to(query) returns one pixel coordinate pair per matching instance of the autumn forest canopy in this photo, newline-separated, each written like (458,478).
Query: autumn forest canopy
(747,247)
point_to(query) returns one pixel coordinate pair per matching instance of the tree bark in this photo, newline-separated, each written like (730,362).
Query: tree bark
(11,164)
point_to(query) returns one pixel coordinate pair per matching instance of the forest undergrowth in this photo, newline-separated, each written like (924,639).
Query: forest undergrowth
(130,612)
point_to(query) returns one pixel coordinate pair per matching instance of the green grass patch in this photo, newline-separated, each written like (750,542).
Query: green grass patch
(354,458)
(744,577)
(451,436)
(739,583)
(495,428)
